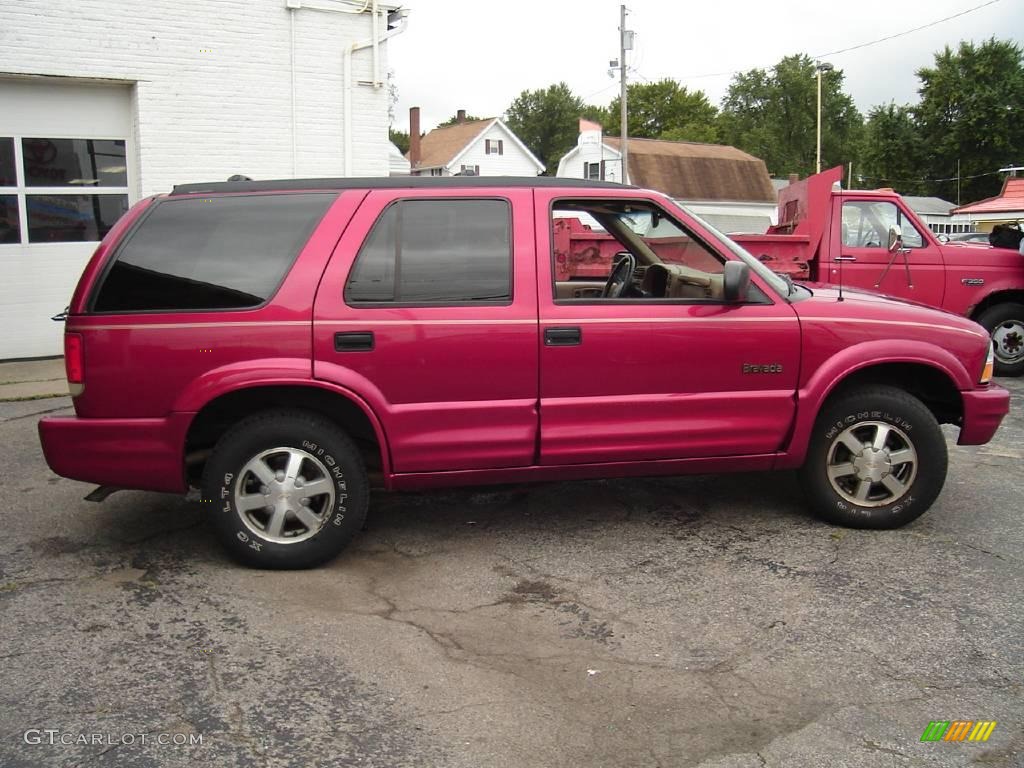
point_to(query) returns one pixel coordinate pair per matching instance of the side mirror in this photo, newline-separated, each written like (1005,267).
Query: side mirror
(895,238)
(735,281)
(943,239)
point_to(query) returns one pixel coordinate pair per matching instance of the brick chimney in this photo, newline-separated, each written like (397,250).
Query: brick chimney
(460,116)
(414,137)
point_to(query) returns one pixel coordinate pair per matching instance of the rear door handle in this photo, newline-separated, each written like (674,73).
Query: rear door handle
(357,341)
(562,337)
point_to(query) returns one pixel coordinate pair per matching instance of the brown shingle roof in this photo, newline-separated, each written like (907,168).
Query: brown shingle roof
(688,170)
(441,145)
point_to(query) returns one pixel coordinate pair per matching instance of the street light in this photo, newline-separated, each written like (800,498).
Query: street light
(819,67)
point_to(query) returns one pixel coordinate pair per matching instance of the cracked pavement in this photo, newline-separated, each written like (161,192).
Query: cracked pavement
(697,621)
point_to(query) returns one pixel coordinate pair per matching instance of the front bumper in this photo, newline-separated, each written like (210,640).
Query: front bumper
(144,454)
(984,410)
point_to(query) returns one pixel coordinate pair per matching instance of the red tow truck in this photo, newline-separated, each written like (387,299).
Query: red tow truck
(871,239)
(855,239)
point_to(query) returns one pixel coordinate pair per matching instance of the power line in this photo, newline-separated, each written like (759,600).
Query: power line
(859,45)
(588,97)
(925,181)
(907,32)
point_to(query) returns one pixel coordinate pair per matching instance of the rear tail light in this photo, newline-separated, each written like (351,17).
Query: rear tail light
(74,362)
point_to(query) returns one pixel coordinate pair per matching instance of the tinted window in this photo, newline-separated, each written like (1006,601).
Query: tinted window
(10,227)
(74,163)
(211,253)
(7,177)
(425,251)
(72,218)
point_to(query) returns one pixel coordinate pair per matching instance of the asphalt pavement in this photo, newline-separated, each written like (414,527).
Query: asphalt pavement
(700,621)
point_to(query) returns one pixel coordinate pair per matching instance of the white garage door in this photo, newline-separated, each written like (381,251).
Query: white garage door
(65,152)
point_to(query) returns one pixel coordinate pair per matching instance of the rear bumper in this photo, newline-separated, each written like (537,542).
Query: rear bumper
(145,454)
(984,410)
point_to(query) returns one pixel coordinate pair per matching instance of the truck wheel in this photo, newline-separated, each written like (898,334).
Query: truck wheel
(876,459)
(286,489)
(1005,323)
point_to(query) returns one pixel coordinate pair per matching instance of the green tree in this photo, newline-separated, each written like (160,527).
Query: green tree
(772,114)
(892,153)
(970,111)
(665,110)
(400,139)
(455,118)
(547,121)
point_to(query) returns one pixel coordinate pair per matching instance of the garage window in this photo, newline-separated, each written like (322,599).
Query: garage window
(61,190)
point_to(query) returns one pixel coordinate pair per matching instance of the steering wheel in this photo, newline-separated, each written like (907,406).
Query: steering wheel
(621,276)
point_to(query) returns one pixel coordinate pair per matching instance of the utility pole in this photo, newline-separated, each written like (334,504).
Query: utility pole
(819,67)
(623,130)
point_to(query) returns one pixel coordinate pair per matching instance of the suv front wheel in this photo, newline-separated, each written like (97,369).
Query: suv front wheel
(288,489)
(877,459)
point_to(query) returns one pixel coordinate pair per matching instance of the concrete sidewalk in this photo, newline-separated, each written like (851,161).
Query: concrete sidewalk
(33,379)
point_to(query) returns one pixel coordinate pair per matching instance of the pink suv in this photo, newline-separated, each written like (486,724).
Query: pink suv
(277,345)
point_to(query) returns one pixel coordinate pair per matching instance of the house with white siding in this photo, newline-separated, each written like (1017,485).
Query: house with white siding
(103,103)
(469,147)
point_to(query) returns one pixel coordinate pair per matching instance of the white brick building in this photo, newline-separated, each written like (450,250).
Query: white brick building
(103,103)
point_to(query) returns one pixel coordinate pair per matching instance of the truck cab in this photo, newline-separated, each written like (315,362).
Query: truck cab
(872,240)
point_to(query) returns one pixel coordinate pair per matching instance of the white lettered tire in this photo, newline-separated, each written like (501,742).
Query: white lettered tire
(285,489)
(876,459)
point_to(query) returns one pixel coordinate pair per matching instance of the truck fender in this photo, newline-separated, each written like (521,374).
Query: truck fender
(834,371)
(284,372)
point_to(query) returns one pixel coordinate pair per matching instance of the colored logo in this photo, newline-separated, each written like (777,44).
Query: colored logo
(958,730)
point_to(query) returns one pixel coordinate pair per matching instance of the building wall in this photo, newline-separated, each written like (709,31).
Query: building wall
(512,162)
(213,82)
(946,225)
(591,150)
(198,91)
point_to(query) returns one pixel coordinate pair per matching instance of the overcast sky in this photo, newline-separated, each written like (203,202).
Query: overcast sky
(479,55)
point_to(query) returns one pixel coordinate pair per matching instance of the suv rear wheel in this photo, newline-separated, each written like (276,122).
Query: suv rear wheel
(877,459)
(287,489)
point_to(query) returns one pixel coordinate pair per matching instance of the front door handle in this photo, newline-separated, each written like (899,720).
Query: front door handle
(358,341)
(562,337)
(846,258)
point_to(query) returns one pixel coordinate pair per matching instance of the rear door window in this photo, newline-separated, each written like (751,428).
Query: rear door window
(435,252)
(210,253)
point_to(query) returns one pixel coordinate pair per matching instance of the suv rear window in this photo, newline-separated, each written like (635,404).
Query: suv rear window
(210,253)
(435,251)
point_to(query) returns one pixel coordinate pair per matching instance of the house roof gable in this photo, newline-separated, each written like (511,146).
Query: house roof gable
(442,147)
(497,121)
(1009,200)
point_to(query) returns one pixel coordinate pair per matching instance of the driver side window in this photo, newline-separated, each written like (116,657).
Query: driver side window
(629,250)
(866,224)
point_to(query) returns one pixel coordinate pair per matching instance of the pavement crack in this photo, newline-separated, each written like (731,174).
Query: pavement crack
(34,414)
(474,705)
(988,552)
(875,746)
